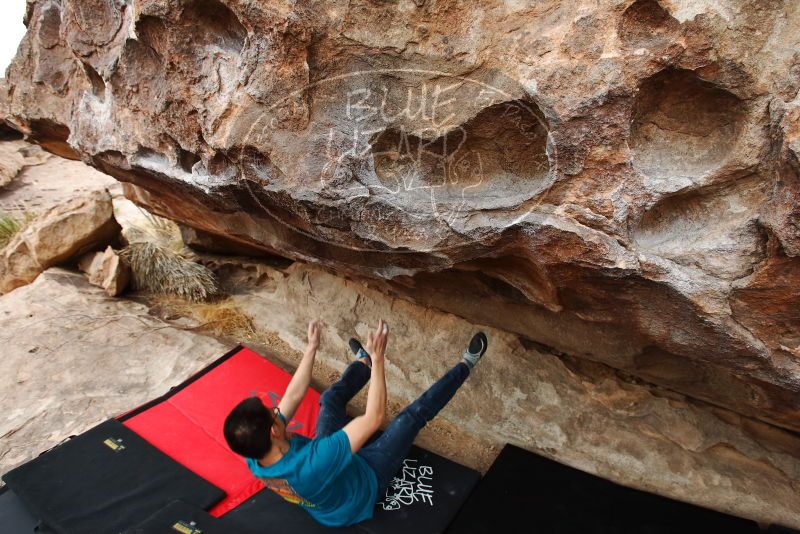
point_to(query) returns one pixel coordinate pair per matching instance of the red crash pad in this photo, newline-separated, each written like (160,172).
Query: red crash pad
(186,424)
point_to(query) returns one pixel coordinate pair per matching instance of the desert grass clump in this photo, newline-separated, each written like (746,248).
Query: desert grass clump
(159,270)
(11,226)
(159,230)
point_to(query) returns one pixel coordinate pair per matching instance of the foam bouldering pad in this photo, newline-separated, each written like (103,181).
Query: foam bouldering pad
(15,517)
(104,481)
(181,518)
(525,489)
(423,498)
(186,423)
(266,511)
(777,529)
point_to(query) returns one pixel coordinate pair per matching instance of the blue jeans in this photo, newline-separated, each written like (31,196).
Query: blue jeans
(386,453)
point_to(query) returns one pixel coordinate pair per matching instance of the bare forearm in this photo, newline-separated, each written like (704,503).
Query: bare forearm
(302,376)
(298,385)
(376,395)
(360,429)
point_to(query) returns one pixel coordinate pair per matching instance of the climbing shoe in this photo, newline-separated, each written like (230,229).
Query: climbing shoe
(358,350)
(477,347)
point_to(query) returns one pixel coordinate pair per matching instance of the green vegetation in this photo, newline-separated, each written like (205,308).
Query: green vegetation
(10,226)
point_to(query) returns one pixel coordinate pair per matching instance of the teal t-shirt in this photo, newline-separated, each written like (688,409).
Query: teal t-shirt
(338,488)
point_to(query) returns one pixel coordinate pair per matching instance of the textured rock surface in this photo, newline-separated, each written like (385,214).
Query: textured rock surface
(73,357)
(15,156)
(11,162)
(63,232)
(137,223)
(107,270)
(582,415)
(617,180)
(45,181)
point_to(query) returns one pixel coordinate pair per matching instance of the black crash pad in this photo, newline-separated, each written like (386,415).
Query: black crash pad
(15,518)
(777,529)
(104,481)
(266,510)
(181,518)
(425,496)
(524,492)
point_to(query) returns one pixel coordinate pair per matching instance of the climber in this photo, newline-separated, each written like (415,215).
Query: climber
(338,476)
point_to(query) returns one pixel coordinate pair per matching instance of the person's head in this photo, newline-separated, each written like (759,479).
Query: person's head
(250,428)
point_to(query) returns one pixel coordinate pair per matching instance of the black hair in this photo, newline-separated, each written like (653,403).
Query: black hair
(247,428)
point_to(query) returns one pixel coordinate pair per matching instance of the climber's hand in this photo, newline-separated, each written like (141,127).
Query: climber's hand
(376,342)
(314,329)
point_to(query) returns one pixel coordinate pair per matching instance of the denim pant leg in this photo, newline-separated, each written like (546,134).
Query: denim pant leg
(333,402)
(386,454)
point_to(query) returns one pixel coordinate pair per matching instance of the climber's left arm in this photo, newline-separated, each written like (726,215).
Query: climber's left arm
(296,390)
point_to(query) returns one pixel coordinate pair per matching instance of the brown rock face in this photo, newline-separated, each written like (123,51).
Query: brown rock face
(16,156)
(64,232)
(616,180)
(578,412)
(107,270)
(72,357)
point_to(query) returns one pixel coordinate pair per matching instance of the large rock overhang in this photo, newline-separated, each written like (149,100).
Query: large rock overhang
(618,185)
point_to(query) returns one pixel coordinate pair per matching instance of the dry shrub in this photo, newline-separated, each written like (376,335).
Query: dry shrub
(157,269)
(219,317)
(160,230)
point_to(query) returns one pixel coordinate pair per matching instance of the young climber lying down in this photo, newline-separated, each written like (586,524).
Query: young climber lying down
(336,477)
